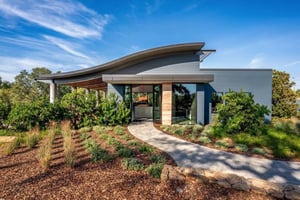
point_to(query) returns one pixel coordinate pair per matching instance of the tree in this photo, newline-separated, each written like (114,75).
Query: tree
(26,89)
(283,97)
(4,84)
(240,113)
(298,93)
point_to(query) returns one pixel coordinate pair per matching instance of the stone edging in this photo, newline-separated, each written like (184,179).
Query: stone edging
(292,192)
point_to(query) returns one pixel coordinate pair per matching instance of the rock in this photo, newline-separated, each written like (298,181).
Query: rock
(265,187)
(238,182)
(170,173)
(293,194)
(224,183)
(179,190)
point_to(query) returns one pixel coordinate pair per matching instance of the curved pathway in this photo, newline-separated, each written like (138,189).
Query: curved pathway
(187,154)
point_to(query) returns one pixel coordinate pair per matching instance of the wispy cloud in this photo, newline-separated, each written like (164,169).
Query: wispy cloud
(292,63)
(65,46)
(257,61)
(66,17)
(153,6)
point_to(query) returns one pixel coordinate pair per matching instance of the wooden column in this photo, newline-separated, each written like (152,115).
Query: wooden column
(166,104)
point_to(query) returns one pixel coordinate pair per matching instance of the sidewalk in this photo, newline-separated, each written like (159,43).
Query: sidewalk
(187,154)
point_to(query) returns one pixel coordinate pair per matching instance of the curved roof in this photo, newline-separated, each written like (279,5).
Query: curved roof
(130,59)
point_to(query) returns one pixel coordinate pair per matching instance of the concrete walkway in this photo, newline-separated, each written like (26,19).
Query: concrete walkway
(187,154)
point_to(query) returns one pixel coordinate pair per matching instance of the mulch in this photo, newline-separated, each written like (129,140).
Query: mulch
(22,177)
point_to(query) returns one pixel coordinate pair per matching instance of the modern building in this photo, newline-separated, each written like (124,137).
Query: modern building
(167,83)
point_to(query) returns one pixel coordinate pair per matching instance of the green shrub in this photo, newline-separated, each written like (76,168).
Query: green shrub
(156,158)
(241,147)
(104,136)
(204,140)
(155,170)
(145,148)
(259,151)
(165,128)
(132,164)
(84,136)
(241,113)
(123,151)
(179,131)
(96,152)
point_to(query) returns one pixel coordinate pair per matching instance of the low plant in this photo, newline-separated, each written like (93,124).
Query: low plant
(197,129)
(242,147)
(99,129)
(165,128)
(204,139)
(132,164)
(65,127)
(112,141)
(155,170)
(32,138)
(85,129)
(104,136)
(145,148)
(156,158)
(222,144)
(134,143)
(84,136)
(14,145)
(178,131)
(119,130)
(96,152)
(124,151)
(126,137)
(259,151)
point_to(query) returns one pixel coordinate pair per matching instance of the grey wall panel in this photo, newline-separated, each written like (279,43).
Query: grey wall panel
(175,64)
(258,82)
(116,89)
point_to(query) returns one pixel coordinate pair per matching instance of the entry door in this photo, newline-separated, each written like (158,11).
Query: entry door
(157,102)
(142,98)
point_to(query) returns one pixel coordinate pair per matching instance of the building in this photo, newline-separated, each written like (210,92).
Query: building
(167,83)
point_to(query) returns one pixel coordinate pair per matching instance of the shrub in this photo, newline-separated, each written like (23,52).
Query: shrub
(241,147)
(134,143)
(97,153)
(113,142)
(132,164)
(124,151)
(158,159)
(155,170)
(178,131)
(222,143)
(241,113)
(84,136)
(126,137)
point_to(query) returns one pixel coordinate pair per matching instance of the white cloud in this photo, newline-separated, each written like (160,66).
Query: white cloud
(292,63)
(65,46)
(67,17)
(256,61)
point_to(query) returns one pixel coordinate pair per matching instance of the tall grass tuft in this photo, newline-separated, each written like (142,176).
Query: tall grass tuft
(32,138)
(69,146)
(45,150)
(14,145)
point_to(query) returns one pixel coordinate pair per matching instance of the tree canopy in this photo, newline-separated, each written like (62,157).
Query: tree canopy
(283,97)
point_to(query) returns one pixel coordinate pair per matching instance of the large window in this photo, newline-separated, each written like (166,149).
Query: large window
(184,103)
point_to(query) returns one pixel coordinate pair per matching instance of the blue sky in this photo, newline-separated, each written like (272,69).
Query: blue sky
(70,35)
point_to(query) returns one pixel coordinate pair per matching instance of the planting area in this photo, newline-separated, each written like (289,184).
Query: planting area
(94,163)
(280,140)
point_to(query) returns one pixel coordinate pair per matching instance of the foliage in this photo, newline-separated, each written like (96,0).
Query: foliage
(69,145)
(144,148)
(158,159)
(132,164)
(287,125)
(97,153)
(85,129)
(124,151)
(5,106)
(155,170)
(298,93)
(241,147)
(241,113)
(32,138)
(14,145)
(259,151)
(119,130)
(204,139)
(283,97)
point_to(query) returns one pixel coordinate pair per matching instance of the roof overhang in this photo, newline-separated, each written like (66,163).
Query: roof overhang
(156,78)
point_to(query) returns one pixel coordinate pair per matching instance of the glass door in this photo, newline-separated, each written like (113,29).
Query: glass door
(157,102)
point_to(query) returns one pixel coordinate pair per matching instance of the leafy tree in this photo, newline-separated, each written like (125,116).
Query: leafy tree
(298,93)
(5,106)
(240,113)
(4,84)
(283,97)
(26,89)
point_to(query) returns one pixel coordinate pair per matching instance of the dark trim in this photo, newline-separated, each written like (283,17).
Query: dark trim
(234,69)
(156,78)
(130,60)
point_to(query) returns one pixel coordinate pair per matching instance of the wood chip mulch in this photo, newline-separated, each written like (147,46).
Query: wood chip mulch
(22,177)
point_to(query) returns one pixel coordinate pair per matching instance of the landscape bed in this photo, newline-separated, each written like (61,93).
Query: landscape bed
(22,175)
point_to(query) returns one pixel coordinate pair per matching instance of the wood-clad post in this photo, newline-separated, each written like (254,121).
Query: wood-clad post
(166,103)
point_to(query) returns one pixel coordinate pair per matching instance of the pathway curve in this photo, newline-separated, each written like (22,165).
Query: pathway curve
(187,154)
